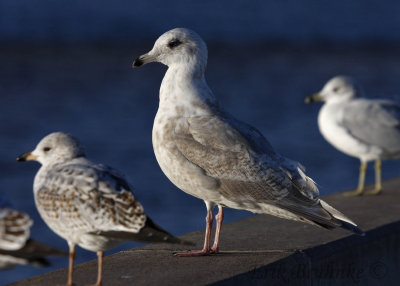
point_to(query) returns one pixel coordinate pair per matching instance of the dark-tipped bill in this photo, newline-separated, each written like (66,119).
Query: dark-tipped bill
(312,98)
(142,60)
(137,63)
(26,157)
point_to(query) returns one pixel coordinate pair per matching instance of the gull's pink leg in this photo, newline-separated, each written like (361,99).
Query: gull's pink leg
(71,264)
(206,247)
(219,218)
(100,255)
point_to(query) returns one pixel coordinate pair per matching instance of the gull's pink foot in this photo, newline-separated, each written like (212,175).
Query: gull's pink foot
(214,250)
(192,253)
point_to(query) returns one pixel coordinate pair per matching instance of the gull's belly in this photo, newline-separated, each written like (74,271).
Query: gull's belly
(340,138)
(76,232)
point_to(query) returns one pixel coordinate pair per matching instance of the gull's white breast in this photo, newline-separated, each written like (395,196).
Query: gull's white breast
(330,125)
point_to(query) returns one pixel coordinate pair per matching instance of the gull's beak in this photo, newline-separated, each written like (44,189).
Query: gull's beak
(28,156)
(314,97)
(144,59)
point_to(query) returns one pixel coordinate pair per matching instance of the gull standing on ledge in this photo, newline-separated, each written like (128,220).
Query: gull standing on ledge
(210,155)
(368,129)
(87,204)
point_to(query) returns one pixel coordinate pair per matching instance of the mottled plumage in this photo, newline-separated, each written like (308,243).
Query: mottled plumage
(88,199)
(16,247)
(210,155)
(87,204)
(14,228)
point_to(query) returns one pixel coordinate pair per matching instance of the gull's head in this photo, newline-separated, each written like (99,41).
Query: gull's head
(179,46)
(55,148)
(337,89)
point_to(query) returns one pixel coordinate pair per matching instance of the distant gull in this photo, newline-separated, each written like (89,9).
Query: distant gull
(16,247)
(87,204)
(368,129)
(209,154)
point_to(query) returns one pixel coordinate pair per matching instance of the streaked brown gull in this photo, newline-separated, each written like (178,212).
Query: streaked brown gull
(87,204)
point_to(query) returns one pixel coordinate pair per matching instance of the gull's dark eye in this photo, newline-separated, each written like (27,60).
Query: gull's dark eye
(46,149)
(336,89)
(174,43)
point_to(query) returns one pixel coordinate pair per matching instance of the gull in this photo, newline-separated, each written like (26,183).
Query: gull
(210,155)
(16,246)
(368,129)
(87,204)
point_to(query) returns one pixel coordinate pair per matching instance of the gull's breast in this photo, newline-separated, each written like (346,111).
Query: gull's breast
(336,134)
(182,173)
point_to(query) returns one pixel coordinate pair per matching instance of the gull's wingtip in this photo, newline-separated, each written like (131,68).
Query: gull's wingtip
(345,222)
(353,228)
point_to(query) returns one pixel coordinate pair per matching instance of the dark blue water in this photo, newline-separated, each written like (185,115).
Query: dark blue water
(94,94)
(225,20)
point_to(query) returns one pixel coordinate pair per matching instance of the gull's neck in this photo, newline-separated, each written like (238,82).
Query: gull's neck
(40,177)
(184,91)
(50,165)
(57,160)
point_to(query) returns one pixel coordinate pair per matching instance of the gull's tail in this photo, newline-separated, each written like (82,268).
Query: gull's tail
(154,233)
(323,215)
(151,232)
(33,253)
(345,222)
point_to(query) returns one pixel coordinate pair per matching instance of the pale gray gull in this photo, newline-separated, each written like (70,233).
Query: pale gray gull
(209,154)
(368,129)
(87,204)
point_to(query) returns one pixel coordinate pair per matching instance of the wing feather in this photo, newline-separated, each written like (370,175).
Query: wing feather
(89,198)
(374,122)
(242,160)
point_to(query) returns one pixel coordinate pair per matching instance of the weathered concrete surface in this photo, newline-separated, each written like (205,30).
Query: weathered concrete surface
(265,250)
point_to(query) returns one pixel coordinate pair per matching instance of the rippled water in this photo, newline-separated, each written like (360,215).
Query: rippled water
(95,95)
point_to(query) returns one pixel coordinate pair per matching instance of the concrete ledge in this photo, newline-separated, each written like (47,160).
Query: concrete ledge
(264,250)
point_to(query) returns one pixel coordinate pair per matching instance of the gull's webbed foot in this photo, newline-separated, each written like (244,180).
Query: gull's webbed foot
(357,192)
(193,253)
(374,192)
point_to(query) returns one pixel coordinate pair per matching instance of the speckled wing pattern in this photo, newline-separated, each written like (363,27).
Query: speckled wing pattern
(375,122)
(88,199)
(246,167)
(14,229)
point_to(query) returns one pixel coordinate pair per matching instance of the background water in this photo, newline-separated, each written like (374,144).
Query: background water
(67,67)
